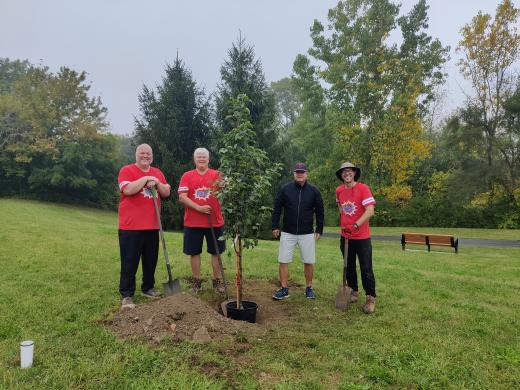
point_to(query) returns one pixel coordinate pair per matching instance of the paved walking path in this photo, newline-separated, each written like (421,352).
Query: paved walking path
(462,241)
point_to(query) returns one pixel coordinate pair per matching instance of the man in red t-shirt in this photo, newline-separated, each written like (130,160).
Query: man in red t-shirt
(200,206)
(138,225)
(356,206)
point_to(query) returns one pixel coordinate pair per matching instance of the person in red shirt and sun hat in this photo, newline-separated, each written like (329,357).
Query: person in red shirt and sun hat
(356,207)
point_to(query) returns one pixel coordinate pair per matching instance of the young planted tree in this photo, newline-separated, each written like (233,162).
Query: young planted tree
(247,177)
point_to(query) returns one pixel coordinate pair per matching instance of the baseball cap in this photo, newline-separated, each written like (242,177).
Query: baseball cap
(300,167)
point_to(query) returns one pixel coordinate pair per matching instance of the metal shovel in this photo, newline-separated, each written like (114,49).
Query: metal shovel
(344,291)
(215,244)
(172,286)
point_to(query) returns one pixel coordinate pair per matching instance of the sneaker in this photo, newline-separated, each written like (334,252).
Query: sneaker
(281,294)
(354,297)
(127,303)
(196,285)
(151,293)
(218,286)
(309,293)
(370,305)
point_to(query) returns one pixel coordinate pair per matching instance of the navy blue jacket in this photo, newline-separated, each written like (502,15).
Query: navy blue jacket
(299,204)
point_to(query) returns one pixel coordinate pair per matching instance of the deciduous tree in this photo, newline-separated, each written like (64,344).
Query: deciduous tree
(489,48)
(58,147)
(377,91)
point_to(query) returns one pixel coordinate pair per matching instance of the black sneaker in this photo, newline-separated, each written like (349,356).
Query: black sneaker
(281,294)
(309,293)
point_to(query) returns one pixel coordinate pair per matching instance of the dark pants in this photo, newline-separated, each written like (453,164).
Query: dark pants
(363,250)
(134,244)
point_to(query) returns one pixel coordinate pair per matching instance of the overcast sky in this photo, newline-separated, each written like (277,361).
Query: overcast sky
(123,44)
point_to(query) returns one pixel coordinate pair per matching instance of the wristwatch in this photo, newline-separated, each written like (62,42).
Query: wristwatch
(356,226)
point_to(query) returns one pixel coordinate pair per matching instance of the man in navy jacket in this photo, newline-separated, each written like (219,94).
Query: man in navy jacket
(300,202)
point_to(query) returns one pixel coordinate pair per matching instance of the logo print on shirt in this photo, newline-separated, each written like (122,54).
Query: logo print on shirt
(147,193)
(348,208)
(202,193)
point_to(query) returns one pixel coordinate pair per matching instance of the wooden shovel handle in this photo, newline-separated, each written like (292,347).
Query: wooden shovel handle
(345,254)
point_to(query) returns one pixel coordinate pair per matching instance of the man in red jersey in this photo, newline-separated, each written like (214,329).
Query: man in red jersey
(138,226)
(356,206)
(197,197)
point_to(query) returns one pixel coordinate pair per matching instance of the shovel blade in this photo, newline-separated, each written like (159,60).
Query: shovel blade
(172,287)
(223,306)
(343,298)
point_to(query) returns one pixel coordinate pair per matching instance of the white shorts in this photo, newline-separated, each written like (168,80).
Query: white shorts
(305,242)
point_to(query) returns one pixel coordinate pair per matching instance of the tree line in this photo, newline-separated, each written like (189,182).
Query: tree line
(356,95)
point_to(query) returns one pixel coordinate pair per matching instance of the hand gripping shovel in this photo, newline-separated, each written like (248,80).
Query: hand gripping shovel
(172,286)
(344,291)
(215,244)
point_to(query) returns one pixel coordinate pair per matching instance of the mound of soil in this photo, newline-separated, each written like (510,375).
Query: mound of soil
(197,317)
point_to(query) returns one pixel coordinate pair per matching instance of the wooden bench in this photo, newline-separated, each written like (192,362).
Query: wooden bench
(430,239)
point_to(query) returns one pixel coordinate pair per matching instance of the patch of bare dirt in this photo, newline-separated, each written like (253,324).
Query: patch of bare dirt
(198,317)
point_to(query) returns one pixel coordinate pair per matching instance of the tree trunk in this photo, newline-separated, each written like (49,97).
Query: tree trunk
(238,283)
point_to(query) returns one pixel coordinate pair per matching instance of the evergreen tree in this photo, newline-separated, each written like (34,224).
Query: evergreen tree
(242,73)
(175,120)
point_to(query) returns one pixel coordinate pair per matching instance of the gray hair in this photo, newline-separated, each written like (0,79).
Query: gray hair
(203,151)
(143,146)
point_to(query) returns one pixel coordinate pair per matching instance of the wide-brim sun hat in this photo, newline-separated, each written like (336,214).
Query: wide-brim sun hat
(346,165)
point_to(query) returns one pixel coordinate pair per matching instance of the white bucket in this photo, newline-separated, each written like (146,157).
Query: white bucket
(26,353)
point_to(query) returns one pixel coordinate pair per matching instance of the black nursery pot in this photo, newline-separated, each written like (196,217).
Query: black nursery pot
(248,313)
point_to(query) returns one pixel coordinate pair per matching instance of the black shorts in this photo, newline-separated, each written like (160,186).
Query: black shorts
(194,237)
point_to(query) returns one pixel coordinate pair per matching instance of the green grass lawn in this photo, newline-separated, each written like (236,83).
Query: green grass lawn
(442,320)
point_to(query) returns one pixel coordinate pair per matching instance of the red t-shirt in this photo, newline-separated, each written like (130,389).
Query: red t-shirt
(200,190)
(136,212)
(353,202)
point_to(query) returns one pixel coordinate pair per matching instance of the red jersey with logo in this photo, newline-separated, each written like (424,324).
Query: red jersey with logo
(136,212)
(200,190)
(352,203)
